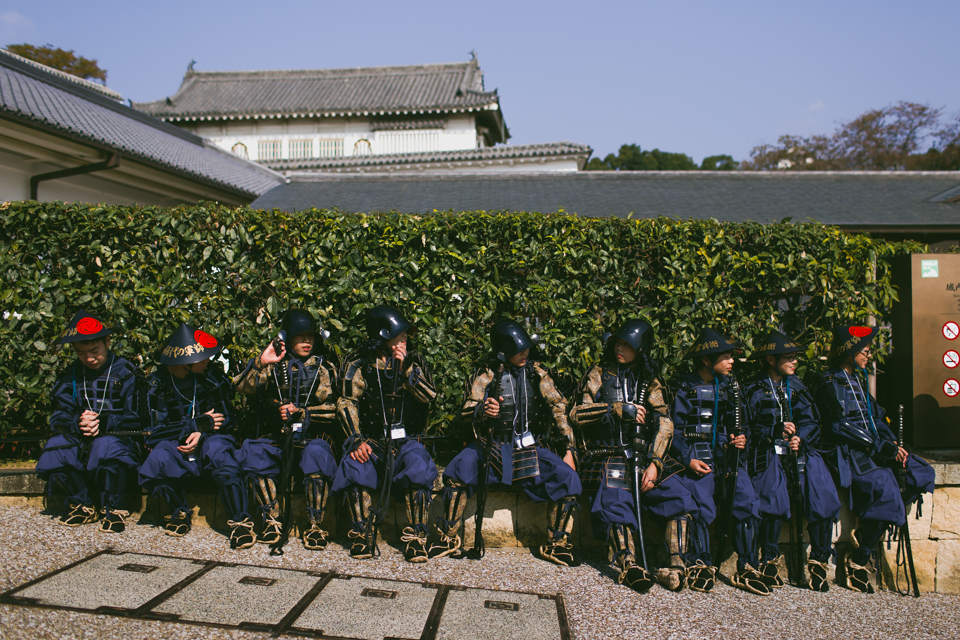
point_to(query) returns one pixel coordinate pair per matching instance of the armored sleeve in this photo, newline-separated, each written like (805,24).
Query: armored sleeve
(219,390)
(323,402)
(352,388)
(754,393)
(419,382)
(586,412)
(556,402)
(254,376)
(664,436)
(65,416)
(472,409)
(884,432)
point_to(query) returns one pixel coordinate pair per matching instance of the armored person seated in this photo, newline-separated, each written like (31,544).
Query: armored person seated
(709,438)
(383,408)
(95,400)
(191,431)
(511,401)
(782,460)
(625,424)
(863,452)
(294,383)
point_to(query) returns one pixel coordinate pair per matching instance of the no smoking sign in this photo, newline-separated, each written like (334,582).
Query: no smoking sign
(951,387)
(951,359)
(951,330)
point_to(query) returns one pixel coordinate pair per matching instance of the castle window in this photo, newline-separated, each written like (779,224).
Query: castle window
(330,147)
(268,150)
(300,149)
(240,149)
(362,148)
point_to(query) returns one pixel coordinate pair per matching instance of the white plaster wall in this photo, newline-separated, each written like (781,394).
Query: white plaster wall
(459,134)
(15,175)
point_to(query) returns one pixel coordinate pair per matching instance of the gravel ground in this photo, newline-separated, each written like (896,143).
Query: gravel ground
(32,544)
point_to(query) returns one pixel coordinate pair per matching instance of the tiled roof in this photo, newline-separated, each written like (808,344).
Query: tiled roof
(89,84)
(363,91)
(849,199)
(30,94)
(501,152)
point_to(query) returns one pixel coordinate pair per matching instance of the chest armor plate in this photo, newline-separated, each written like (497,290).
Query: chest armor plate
(704,401)
(520,409)
(101,394)
(614,387)
(297,381)
(385,403)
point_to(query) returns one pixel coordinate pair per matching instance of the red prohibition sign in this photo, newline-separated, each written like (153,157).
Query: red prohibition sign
(951,330)
(951,359)
(951,387)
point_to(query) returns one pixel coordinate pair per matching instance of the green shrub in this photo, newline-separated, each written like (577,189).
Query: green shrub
(234,271)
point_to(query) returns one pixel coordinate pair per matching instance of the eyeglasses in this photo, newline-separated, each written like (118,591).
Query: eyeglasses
(790,357)
(866,352)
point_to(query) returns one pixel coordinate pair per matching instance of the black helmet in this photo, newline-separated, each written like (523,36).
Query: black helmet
(509,338)
(385,322)
(297,321)
(637,333)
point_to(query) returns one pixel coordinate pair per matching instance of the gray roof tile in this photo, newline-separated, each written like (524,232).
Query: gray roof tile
(30,94)
(502,152)
(432,87)
(849,199)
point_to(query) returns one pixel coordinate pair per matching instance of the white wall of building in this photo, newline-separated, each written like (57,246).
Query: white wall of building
(310,138)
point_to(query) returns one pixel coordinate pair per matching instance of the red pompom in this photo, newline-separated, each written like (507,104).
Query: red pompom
(860,332)
(206,340)
(89,326)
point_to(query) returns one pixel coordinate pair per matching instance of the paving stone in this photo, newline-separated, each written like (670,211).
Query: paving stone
(120,581)
(369,608)
(946,513)
(240,594)
(480,614)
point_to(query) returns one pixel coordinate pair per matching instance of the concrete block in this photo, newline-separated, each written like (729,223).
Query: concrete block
(531,522)
(925,561)
(951,475)
(21,484)
(946,514)
(948,567)
(920,529)
(498,522)
(940,472)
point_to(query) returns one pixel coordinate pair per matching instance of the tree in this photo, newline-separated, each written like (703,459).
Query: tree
(66,61)
(631,158)
(719,163)
(877,140)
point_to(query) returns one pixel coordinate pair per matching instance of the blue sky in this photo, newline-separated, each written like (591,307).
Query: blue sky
(701,78)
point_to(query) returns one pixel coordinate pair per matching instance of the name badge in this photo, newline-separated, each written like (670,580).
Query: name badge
(297,426)
(780,447)
(398,433)
(523,441)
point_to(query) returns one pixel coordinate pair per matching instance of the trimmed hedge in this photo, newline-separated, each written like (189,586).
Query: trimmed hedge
(233,271)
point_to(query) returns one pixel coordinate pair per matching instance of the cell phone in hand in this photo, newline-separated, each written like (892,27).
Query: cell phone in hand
(279,342)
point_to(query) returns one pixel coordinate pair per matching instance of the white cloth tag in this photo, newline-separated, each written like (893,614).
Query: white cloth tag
(297,426)
(780,449)
(191,459)
(614,473)
(527,440)
(398,433)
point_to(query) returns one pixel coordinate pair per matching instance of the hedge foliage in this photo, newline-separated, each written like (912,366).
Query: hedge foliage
(233,271)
